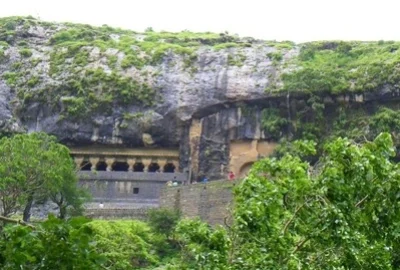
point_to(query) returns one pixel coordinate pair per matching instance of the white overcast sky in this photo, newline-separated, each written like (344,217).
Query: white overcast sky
(297,20)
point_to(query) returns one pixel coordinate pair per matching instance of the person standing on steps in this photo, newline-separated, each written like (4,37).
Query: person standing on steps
(205,179)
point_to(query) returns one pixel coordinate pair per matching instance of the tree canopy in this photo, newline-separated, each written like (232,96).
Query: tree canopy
(341,213)
(53,244)
(35,167)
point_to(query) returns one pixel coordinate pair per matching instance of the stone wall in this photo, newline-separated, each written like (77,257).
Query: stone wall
(125,191)
(117,213)
(126,186)
(210,201)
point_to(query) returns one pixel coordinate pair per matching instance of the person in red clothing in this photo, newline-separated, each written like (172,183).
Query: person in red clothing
(231,175)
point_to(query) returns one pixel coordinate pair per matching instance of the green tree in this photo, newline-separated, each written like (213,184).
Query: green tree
(341,214)
(125,244)
(163,220)
(35,167)
(53,244)
(69,197)
(203,247)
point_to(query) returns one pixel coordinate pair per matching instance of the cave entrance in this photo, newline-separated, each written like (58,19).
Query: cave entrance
(153,167)
(101,166)
(169,168)
(86,166)
(138,167)
(245,169)
(120,166)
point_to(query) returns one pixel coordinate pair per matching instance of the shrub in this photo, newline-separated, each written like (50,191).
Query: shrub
(33,81)
(11,78)
(3,56)
(4,45)
(163,220)
(225,46)
(236,59)
(275,56)
(112,60)
(54,244)
(22,43)
(205,246)
(75,105)
(132,60)
(336,67)
(125,244)
(273,122)
(81,58)
(25,52)
(10,25)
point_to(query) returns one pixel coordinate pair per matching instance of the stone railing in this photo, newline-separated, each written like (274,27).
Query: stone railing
(94,158)
(131,176)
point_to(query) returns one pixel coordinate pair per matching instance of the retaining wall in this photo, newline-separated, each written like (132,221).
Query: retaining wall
(138,213)
(126,186)
(210,201)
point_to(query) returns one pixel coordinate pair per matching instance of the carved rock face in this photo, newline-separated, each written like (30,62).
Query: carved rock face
(147,139)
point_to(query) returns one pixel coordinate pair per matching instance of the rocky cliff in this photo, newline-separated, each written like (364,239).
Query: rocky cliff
(100,85)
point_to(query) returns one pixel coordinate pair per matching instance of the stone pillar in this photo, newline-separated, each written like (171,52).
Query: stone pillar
(78,161)
(176,164)
(146,162)
(254,144)
(131,162)
(195,132)
(121,187)
(109,161)
(162,163)
(93,161)
(128,187)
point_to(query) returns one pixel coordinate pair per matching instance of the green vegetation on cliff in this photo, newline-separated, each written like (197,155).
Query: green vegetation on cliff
(338,67)
(320,67)
(95,67)
(320,122)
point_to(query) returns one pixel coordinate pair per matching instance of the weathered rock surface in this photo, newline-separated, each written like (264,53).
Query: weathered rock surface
(211,81)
